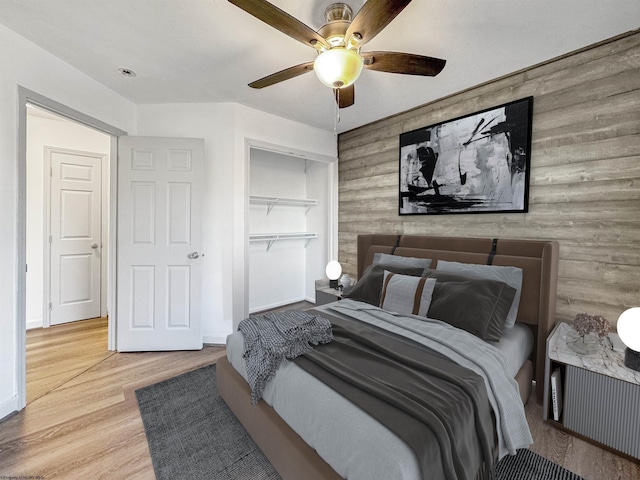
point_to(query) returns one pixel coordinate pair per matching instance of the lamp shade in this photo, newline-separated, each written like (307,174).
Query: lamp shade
(629,328)
(338,67)
(333,270)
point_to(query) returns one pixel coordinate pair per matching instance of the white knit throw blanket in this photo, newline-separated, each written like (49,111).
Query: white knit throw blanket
(274,336)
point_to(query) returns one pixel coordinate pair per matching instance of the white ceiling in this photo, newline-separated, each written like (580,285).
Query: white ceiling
(208,50)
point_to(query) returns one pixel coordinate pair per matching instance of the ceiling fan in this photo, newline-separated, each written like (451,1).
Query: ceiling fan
(338,42)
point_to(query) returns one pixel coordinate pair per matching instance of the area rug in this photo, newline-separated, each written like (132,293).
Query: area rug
(193,435)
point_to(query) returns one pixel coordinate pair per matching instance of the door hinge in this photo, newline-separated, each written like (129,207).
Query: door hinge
(50,306)
(50,238)
(51,171)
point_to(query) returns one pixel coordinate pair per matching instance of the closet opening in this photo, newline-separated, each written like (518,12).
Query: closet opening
(289,228)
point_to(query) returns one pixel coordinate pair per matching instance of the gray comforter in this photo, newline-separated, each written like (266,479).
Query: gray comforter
(466,350)
(437,407)
(355,445)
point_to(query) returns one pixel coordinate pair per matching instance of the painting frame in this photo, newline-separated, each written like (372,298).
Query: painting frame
(475,163)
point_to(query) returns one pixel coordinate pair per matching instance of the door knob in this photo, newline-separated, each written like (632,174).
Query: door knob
(194,255)
(94,245)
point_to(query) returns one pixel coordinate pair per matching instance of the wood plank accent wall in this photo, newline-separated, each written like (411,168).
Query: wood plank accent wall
(585,174)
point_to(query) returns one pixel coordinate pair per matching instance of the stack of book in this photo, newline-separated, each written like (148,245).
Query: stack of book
(556,393)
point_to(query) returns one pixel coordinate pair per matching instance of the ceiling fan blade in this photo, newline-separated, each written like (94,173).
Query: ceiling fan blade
(281,20)
(282,75)
(406,63)
(373,17)
(345,96)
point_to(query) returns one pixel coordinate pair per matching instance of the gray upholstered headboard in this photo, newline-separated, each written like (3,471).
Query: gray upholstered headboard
(537,258)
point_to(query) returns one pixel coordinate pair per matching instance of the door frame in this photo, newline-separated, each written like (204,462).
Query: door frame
(104,230)
(25,97)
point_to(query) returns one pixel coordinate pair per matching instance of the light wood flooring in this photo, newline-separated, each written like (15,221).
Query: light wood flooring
(82,419)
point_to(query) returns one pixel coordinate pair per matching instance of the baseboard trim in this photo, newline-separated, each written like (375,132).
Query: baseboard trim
(31,324)
(8,407)
(264,308)
(214,340)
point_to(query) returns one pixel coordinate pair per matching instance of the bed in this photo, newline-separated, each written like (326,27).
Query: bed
(293,458)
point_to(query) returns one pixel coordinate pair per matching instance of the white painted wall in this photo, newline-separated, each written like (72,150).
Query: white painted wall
(47,132)
(24,64)
(228,129)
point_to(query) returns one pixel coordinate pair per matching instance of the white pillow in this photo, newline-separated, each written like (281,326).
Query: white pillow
(401,261)
(512,276)
(405,294)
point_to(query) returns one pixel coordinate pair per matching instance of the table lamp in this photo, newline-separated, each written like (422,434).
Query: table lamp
(333,270)
(629,333)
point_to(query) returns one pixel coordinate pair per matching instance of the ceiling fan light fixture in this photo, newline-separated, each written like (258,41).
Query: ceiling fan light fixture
(338,67)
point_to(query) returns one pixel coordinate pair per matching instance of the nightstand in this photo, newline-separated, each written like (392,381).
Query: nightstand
(600,396)
(326,294)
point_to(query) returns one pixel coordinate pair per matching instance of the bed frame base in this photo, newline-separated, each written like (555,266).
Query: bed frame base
(285,449)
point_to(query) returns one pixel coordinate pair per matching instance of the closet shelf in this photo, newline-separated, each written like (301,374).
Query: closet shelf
(273,201)
(271,238)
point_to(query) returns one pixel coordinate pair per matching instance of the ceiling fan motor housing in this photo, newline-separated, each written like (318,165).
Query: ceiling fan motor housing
(338,17)
(338,11)
(334,32)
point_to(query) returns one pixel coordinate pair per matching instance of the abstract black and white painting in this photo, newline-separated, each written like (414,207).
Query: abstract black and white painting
(474,164)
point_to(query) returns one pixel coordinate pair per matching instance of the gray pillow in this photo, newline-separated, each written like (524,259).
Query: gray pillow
(367,289)
(388,259)
(405,294)
(512,276)
(478,306)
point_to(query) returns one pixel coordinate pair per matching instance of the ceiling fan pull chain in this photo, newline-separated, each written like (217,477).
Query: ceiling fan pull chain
(336,112)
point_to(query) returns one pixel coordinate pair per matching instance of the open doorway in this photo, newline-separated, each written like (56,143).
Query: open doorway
(67,247)
(27,100)
(67,220)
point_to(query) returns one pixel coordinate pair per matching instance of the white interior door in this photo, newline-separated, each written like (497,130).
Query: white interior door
(158,265)
(75,235)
